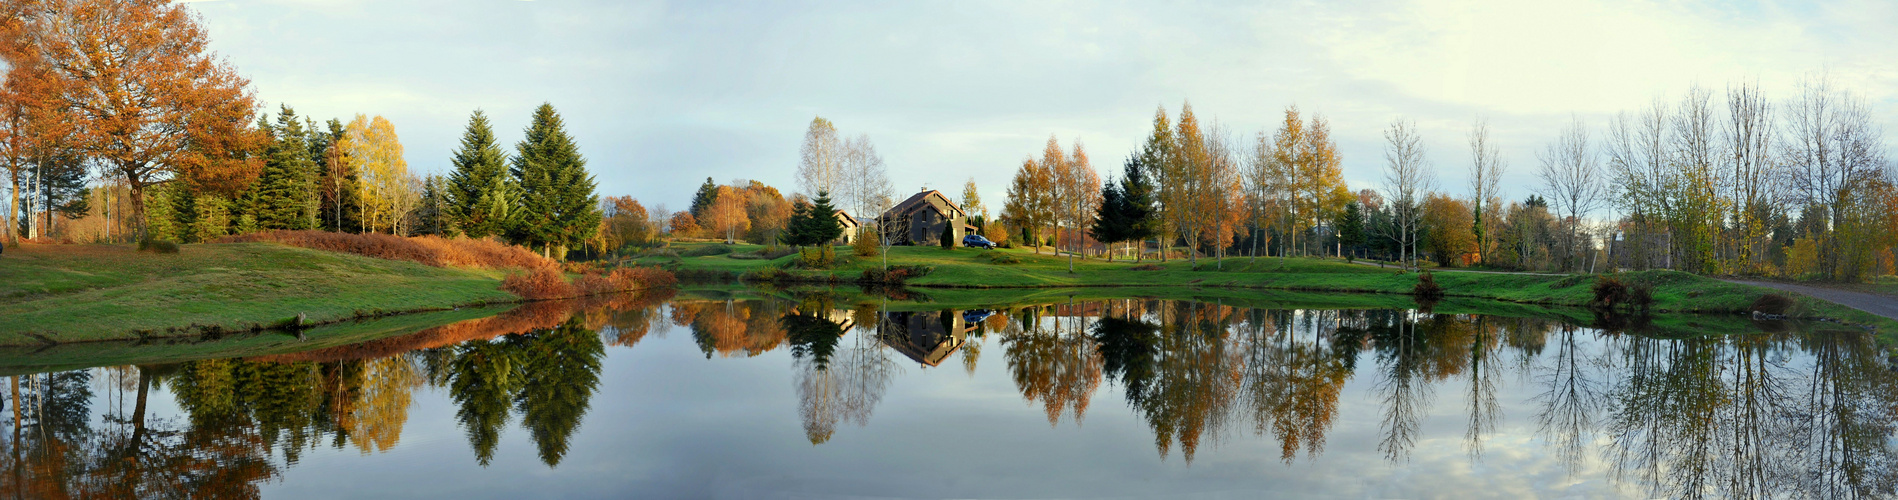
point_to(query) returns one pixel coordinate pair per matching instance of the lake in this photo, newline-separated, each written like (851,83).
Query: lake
(824,395)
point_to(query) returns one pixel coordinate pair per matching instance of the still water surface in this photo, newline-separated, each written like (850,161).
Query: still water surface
(1135,398)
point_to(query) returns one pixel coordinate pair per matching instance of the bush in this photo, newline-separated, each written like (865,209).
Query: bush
(1002,258)
(157,246)
(816,258)
(1772,303)
(766,253)
(1641,294)
(1609,291)
(1427,287)
(1147,267)
(949,235)
(706,250)
(897,275)
(429,250)
(866,245)
(538,284)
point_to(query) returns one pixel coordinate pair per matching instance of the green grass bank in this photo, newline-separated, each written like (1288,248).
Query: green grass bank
(965,268)
(80,293)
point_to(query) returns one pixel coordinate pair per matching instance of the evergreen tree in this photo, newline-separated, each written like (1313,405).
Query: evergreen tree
(339,204)
(1110,224)
(707,195)
(1350,225)
(479,192)
(1138,213)
(483,381)
(813,224)
(558,207)
(283,196)
(433,214)
(560,372)
(948,238)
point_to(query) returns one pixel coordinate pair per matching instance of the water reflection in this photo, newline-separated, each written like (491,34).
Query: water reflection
(1776,411)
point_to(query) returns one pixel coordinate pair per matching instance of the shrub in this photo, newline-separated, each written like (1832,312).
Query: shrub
(429,250)
(866,245)
(1641,294)
(1427,287)
(1002,258)
(1147,267)
(949,235)
(538,284)
(816,258)
(705,250)
(1772,303)
(1609,291)
(157,246)
(897,275)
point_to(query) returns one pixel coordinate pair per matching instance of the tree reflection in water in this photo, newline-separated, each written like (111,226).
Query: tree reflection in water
(1762,414)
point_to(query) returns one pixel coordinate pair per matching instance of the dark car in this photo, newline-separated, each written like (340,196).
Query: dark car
(976,240)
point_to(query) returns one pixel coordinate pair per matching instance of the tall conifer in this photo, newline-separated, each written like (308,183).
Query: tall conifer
(479,192)
(558,207)
(285,193)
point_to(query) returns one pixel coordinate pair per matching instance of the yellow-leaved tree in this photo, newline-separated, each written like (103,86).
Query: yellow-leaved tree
(384,185)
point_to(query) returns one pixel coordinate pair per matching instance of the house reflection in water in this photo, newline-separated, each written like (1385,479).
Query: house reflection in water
(923,336)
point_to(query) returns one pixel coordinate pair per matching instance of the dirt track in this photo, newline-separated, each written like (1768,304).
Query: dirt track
(1882,305)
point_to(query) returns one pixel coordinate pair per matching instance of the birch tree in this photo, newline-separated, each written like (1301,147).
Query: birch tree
(1572,181)
(1755,191)
(821,158)
(1486,172)
(1407,176)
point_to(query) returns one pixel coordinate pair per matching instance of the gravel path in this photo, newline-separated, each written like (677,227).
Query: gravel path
(1882,305)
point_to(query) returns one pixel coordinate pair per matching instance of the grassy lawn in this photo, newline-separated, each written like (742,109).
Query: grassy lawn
(972,268)
(69,293)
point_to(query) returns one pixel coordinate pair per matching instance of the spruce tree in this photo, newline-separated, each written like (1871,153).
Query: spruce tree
(479,191)
(283,195)
(558,207)
(824,226)
(1137,202)
(707,195)
(1351,225)
(1110,224)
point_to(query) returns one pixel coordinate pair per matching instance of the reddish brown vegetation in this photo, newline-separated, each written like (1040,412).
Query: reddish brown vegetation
(430,250)
(541,278)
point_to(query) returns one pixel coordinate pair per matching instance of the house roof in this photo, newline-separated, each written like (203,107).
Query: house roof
(848,221)
(919,200)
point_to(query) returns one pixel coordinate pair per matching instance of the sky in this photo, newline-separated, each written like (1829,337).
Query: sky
(662,95)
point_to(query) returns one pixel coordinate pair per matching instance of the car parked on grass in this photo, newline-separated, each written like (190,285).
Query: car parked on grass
(977,241)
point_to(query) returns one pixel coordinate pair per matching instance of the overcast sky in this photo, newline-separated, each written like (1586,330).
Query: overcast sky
(662,95)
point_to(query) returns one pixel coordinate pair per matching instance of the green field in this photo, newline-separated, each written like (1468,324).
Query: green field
(68,293)
(963,268)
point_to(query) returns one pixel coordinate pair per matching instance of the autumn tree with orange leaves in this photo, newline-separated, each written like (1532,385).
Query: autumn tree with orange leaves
(145,96)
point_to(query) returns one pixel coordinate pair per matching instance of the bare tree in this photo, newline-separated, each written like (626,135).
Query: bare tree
(1755,188)
(1572,181)
(863,178)
(1407,176)
(1833,150)
(1644,180)
(821,158)
(1486,172)
(1696,220)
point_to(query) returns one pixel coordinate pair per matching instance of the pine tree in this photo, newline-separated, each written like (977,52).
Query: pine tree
(1110,224)
(479,192)
(558,207)
(281,198)
(707,195)
(1137,202)
(1351,225)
